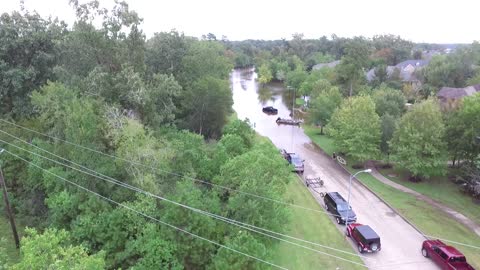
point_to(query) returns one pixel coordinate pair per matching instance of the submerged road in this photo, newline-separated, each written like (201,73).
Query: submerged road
(401,243)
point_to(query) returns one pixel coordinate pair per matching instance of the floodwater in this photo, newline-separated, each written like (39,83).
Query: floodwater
(249,99)
(401,242)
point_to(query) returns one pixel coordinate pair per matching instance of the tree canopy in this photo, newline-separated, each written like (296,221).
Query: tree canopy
(417,144)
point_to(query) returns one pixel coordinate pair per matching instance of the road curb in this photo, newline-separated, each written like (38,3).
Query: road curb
(374,193)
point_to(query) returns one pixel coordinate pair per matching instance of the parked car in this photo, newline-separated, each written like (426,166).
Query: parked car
(337,205)
(295,160)
(367,239)
(269,110)
(446,257)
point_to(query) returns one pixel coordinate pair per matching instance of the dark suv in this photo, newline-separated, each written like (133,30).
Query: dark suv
(336,204)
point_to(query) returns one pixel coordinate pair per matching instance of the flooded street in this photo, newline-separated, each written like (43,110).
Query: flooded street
(249,101)
(401,243)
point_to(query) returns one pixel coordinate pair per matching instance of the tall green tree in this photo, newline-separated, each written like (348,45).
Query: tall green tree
(389,101)
(245,242)
(355,128)
(264,74)
(392,49)
(209,106)
(53,250)
(165,52)
(463,129)
(418,144)
(324,105)
(350,71)
(28,55)
(159,107)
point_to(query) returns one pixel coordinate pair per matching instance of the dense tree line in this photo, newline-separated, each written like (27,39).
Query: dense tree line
(165,103)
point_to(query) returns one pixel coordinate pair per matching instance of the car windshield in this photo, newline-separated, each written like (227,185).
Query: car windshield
(343,207)
(297,161)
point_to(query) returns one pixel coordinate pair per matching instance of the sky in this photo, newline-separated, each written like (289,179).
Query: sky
(438,21)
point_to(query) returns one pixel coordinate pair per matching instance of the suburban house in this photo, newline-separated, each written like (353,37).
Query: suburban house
(449,96)
(405,70)
(329,65)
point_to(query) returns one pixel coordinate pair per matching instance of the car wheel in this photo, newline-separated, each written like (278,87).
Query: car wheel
(326,207)
(360,249)
(424,252)
(347,233)
(339,221)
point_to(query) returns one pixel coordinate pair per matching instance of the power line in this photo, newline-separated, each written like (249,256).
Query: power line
(226,220)
(197,180)
(145,215)
(153,169)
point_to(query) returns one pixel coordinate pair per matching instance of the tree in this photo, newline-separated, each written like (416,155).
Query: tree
(204,58)
(388,126)
(160,94)
(393,49)
(462,129)
(355,128)
(28,54)
(350,70)
(323,106)
(449,70)
(53,250)
(295,78)
(241,128)
(245,242)
(265,74)
(209,106)
(418,144)
(389,101)
(307,85)
(165,52)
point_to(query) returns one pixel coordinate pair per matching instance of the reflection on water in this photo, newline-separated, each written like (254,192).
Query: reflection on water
(249,99)
(264,95)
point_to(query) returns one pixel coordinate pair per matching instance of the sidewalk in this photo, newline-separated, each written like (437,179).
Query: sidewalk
(454,214)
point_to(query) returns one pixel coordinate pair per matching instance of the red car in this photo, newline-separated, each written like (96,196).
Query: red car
(447,257)
(367,239)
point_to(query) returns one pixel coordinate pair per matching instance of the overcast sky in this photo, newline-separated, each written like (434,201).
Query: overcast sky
(438,21)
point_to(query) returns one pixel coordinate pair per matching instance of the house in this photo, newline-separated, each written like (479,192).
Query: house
(448,93)
(406,71)
(329,65)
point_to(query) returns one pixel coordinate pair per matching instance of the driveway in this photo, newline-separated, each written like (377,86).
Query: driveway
(400,241)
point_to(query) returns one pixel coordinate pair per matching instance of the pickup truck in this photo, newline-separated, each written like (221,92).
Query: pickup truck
(446,257)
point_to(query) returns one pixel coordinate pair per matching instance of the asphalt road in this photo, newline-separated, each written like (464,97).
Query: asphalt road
(401,243)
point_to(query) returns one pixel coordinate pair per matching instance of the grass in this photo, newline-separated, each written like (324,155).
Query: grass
(314,227)
(440,189)
(427,218)
(7,243)
(325,142)
(299,101)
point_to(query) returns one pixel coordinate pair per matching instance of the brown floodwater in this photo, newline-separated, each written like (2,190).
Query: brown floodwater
(249,98)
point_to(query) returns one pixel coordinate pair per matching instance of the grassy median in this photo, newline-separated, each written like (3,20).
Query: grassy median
(427,218)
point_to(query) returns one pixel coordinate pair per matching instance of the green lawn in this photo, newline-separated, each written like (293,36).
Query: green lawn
(299,101)
(440,189)
(325,142)
(427,218)
(6,240)
(315,227)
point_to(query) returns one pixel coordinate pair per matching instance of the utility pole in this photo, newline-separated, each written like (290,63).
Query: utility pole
(7,207)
